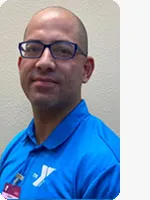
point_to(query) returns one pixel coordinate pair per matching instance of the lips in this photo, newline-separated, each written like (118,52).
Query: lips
(44,79)
(44,82)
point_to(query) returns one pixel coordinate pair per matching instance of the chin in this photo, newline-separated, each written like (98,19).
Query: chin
(44,104)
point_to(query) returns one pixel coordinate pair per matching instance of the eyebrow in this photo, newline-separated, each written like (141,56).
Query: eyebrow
(32,40)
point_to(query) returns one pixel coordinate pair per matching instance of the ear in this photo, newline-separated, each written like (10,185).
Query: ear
(88,69)
(19,62)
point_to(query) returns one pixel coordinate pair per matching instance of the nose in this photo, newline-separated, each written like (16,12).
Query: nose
(46,62)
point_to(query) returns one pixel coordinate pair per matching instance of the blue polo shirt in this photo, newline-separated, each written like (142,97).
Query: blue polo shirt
(79,160)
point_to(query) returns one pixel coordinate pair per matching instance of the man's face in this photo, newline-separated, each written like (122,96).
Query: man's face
(48,82)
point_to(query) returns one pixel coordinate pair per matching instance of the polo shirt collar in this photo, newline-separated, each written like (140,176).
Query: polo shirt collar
(65,128)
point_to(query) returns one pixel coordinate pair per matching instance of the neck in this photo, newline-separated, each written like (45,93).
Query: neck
(46,120)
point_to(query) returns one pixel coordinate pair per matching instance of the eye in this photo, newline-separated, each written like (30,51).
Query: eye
(64,50)
(32,48)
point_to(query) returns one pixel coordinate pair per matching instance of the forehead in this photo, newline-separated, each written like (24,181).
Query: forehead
(52,25)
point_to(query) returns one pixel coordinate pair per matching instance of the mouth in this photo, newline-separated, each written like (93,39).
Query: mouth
(44,82)
(44,79)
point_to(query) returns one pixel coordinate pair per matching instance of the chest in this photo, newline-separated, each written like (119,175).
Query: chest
(44,176)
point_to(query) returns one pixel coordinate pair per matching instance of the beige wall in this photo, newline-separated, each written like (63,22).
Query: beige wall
(101,18)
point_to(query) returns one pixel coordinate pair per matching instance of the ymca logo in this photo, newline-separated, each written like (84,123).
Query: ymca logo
(46,171)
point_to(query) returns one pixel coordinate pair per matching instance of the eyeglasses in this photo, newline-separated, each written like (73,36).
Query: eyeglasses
(63,50)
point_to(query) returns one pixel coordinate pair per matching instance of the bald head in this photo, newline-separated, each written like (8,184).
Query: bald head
(80,31)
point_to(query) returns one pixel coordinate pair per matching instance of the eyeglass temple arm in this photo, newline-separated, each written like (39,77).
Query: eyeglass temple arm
(82,52)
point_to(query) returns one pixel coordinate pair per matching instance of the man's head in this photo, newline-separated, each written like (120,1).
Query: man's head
(49,82)
(81,30)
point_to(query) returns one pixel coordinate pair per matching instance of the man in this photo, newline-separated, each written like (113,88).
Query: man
(65,152)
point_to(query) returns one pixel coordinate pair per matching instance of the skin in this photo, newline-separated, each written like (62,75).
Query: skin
(52,100)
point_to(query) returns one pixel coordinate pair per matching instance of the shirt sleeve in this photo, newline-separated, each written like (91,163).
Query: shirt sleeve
(98,178)
(105,185)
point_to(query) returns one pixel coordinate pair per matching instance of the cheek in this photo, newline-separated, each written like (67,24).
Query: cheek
(26,66)
(24,72)
(73,76)
(23,80)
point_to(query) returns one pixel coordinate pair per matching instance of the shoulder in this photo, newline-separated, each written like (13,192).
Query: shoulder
(17,141)
(98,140)
(12,145)
(98,171)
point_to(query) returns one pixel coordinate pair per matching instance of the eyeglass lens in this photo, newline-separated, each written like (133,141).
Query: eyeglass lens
(58,50)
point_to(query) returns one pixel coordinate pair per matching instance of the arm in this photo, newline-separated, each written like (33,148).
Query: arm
(98,178)
(104,185)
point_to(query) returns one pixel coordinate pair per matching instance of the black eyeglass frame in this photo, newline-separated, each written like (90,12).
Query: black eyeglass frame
(76,48)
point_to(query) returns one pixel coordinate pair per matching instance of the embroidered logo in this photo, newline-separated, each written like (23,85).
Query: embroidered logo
(46,171)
